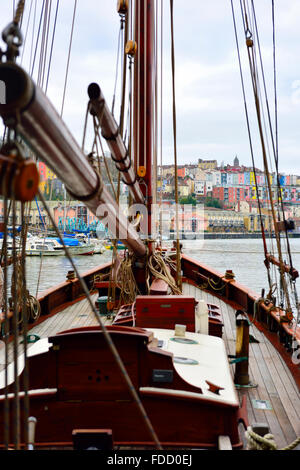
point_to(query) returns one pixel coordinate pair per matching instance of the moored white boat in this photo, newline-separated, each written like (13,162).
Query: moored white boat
(38,246)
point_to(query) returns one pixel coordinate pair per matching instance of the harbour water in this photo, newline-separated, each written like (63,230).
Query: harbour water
(244,256)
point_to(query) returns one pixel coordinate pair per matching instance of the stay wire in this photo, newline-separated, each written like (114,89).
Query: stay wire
(274,142)
(254,77)
(43,45)
(69,56)
(38,37)
(52,45)
(117,69)
(32,37)
(178,259)
(48,20)
(250,141)
(27,28)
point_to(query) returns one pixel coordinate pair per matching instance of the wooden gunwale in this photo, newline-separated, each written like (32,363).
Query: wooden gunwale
(63,295)
(269,322)
(280,334)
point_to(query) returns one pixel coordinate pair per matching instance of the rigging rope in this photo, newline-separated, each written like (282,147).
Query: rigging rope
(38,36)
(32,38)
(19,11)
(158,267)
(255,82)
(51,48)
(68,61)
(161,118)
(117,68)
(178,258)
(46,34)
(250,142)
(25,38)
(106,334)
(126,281)
(274,144)
(98,136)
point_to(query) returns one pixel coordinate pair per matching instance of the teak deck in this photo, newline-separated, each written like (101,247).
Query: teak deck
(275,384)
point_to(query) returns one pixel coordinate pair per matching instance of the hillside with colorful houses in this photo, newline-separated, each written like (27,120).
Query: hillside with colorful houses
(228,184)
(228,193)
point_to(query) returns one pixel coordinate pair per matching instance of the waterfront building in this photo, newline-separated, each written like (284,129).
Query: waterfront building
(207,164)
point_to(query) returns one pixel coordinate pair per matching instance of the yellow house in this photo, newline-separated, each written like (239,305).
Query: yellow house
(207,164)
(191,185)
(183,190)
(252,178)
(168,188)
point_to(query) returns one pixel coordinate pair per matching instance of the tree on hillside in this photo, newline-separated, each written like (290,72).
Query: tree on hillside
(188,200)
(211,202)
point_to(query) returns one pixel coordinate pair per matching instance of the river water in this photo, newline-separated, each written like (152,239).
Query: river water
(244,256)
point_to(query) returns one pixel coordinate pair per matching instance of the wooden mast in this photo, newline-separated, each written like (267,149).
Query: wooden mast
(143,99)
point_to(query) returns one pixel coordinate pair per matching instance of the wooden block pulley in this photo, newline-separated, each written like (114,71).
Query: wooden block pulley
(18,178)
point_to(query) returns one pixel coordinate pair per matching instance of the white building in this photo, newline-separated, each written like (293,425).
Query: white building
(199,187)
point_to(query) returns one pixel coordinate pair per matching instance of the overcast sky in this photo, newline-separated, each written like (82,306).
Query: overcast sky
(210,111)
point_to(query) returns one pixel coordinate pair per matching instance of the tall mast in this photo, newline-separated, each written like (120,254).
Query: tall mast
(143,98)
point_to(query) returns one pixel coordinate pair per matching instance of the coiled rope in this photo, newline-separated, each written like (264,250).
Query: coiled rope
(159,268)
(126,280)
(107,336)
(33,308)
(266,442)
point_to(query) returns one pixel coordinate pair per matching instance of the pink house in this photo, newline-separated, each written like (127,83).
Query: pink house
(71,213)
(241,178)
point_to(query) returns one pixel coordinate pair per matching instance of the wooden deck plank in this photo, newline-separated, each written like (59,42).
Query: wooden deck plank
(266,367)
(229,331)
(282,419)
(260,376)
(287,379)
(65,319)
(283,391)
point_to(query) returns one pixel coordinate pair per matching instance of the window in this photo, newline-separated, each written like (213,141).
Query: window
(42,247)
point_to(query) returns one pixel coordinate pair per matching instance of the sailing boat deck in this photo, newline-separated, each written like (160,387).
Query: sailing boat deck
(276,391)
(275,384)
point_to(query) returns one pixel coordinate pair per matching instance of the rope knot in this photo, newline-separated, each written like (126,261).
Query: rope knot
(257,442)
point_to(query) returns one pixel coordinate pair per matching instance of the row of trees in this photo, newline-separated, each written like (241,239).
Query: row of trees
(208,201)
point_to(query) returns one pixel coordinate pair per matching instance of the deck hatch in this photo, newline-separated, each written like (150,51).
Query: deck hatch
(262,404)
